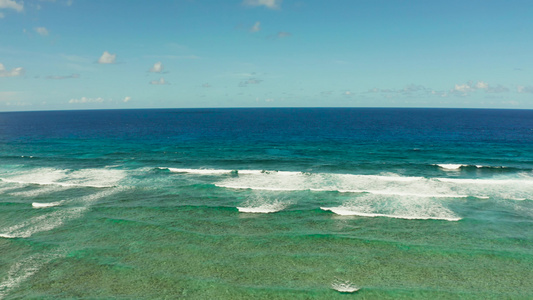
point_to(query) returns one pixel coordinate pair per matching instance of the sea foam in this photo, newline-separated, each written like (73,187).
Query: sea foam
(97,178)
(45,205)
(54,219)
(448,167)
(393,207)
(387,184)
(344,286)
(25,268)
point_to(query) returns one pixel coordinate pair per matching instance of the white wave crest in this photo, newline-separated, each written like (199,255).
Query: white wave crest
(451,166)
(264,208)
(98,178)
(518,186)
(393,207)
(54,219)
(344,286)
(346,183)
(45,205)
(198,171)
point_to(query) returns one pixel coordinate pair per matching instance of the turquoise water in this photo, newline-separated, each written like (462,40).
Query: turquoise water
(267,204)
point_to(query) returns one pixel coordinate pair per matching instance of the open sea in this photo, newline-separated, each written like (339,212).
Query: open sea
(278,203)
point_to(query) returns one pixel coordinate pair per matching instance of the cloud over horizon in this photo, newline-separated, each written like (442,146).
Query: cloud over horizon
(86,100)
(41,30)
(19,7)
(11,73)
(107,58)
(161,81)
(156,68)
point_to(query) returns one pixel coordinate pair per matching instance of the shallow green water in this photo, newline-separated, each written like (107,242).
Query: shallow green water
(246,214)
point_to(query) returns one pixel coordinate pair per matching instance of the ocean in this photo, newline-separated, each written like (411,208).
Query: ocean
(257,203)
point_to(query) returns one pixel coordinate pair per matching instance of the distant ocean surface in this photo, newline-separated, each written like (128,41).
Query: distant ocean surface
(288,203)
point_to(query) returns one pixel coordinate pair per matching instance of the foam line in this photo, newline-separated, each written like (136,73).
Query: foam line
(37,192)
(259,210)
(347,212)
(274,189)
(451,166)
(343,191)
(198,171)
(42,223)
(97,178)
(344,286)
(25,268)
(222,171)
(54,219)
(45,205)
(486,181)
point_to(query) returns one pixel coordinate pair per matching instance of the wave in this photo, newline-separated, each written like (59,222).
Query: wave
(274,189)
(54,219)
(198,171)
(512,187)
(452,167)
(222,171)
(45,205)
(411,208)
(347,212)
(96,178)
(344,286)
(264,209)
(345,183)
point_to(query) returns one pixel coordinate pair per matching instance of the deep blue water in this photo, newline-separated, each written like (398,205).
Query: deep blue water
(205,203)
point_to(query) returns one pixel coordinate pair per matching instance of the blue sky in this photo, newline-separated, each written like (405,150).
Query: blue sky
(102,54)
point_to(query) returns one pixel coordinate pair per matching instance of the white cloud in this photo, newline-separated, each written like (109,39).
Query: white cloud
(482,85)
(463,88)
(157,68)
(107,58)
(206,85)
(10,73)
(524,89)
(272,4)
(408,90)
(126,99)
(256,27)
(439,93)
(283,34)
(12,5)
(161,81)
(41,30)
(87,100)
(2,15)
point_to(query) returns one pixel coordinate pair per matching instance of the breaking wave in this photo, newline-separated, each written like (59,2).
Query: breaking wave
(411,208)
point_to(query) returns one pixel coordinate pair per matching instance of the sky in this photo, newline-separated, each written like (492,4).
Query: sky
(123,54)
